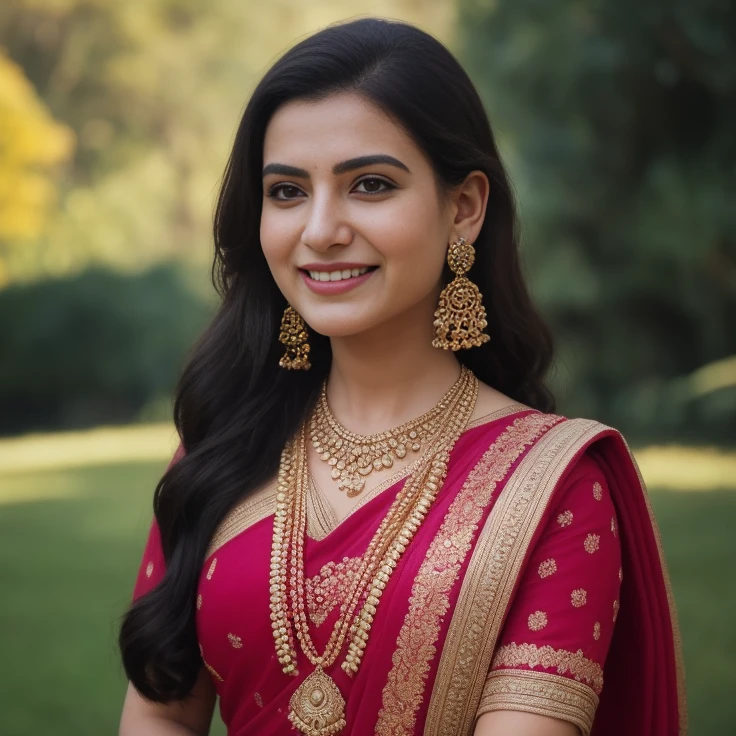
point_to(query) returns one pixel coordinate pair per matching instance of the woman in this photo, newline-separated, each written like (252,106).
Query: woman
(375,523)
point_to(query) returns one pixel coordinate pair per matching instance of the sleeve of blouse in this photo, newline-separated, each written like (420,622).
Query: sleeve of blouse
(153,565)
(550,654)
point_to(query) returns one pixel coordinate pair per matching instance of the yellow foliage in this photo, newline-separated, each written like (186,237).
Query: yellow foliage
(31,144)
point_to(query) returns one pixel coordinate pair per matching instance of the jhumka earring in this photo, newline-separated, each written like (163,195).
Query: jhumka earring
(293,335)
(460,317)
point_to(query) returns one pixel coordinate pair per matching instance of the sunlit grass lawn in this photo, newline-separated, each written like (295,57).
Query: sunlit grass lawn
(70,543)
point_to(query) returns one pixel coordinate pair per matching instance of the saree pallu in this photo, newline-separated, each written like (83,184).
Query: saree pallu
(535,583)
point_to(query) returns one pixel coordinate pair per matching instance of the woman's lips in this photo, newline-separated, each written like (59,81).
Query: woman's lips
(335,287)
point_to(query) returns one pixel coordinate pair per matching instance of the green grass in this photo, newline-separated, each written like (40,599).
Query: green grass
(68,562)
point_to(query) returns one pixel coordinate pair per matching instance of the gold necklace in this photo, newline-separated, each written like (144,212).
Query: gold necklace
(317,707)
(353,457)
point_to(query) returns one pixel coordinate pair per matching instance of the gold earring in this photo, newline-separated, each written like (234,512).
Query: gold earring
(460,317)
(293,335)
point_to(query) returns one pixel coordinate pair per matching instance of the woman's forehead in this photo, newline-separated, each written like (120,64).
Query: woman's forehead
(334,129)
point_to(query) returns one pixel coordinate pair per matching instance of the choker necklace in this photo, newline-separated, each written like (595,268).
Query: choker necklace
(353,457)
(317,707)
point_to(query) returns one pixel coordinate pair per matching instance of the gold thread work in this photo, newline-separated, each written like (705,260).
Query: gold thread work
(565,662)
(429,601)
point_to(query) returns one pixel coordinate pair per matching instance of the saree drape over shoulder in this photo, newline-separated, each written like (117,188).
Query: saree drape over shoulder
(536,583)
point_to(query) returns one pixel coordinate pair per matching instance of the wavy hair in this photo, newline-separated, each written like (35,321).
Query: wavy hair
(235,408)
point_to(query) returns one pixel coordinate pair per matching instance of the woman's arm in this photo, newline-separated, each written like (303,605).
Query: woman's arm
(188,718)
(517,723)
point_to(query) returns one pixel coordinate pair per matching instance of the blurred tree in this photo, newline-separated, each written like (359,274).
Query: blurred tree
(618,120)
(153,90)
(31,146)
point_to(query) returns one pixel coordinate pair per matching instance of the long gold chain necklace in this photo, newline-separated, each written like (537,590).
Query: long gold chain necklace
(317,707)
(353,457)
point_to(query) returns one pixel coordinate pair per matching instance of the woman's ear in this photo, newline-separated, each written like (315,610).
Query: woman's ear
(470,200)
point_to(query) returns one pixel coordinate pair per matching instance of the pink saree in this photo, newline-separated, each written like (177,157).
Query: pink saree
(536,583)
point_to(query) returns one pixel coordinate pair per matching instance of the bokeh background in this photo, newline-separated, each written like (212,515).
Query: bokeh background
(617,119)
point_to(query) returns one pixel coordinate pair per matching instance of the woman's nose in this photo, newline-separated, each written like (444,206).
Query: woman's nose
(325,225)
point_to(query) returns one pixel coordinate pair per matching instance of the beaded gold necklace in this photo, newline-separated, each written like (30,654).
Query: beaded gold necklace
(317,708)
(353,457)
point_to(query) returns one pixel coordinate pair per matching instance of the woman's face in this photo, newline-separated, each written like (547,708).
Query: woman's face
(345,190)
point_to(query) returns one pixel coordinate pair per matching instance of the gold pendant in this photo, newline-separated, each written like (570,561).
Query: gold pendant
(317,706)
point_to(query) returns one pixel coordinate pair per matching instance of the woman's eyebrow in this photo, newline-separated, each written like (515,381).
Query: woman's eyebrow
(284,170)
(341,168)
(361,161)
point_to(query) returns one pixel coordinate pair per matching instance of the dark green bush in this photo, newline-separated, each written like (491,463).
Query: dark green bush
(94,348)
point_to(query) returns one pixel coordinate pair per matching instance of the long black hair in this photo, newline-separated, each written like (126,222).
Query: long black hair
(235,408)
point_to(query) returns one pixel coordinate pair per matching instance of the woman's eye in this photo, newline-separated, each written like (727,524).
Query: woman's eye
(284,192)
(373,186)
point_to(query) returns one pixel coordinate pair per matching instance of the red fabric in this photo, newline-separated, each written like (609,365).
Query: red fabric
(568,597)
(640,692)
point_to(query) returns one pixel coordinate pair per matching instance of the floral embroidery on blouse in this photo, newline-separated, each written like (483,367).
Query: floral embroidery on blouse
(211,571)
(597,491)
(537,621)
(236,641)
(547,568)
(149,569)
(592,543)
(579,597)
(565,518)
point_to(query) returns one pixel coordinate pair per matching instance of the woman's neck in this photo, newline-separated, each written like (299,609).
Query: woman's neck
(381,379)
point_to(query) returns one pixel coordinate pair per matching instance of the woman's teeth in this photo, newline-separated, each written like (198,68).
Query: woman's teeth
(337,275)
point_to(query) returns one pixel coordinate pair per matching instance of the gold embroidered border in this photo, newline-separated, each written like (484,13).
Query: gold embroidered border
(676,635)
(542,693)
(530,655)
(492,573)
(429,601)
(493,416)
(253,509)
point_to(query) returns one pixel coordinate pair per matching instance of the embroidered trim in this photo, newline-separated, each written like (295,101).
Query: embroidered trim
(496,563)
(542,693)
(208,667)
(253,509)
(429,601)
(498,414)
(530,655)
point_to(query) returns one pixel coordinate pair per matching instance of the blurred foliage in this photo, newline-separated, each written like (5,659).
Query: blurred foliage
(31,145)
(95,348)
(617,119)
(152,90)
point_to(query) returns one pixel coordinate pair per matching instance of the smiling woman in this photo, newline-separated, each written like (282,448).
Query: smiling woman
(375,523)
